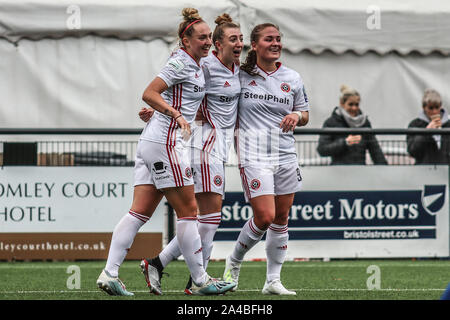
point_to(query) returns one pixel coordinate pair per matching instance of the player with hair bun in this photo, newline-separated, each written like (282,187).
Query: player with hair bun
(272,103)
(212,140)
(163,164)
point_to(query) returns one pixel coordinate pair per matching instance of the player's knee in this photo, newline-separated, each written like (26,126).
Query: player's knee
(281,219)
(263,221)
(188,209)
(142,210)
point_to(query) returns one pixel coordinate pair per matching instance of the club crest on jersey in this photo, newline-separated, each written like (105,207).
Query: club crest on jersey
(188,172)
(285,87)
(196,75)
(255,184)
(218,180)
(226,85)
(252,83)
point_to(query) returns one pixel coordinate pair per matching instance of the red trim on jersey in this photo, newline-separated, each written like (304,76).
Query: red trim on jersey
(236,141)
(205,111)
(207,147)
(177,92)
(169,132)
(278,64)
(190,56)
(209,143)
(215,55)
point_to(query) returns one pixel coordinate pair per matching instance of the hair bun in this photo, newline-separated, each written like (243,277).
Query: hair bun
(345,88)
(190,14)
(346,92)
(224,18)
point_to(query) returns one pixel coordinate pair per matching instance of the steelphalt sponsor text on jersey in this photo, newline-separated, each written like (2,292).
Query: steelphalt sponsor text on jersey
(267,97)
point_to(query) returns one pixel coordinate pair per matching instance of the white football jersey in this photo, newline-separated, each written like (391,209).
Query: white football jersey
(264,101)
(219,107)
(186,89)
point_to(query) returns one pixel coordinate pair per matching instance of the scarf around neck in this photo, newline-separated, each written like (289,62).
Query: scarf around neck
(352,122)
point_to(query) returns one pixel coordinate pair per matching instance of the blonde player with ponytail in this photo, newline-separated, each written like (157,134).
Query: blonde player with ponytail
(212,140)
(163,164)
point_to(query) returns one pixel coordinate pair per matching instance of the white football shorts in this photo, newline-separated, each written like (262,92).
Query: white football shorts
(161,165)
(270,179)
(208,172)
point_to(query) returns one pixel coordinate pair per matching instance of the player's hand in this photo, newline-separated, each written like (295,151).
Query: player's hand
(353,139)
(185,127)
(289,122)
(146,113)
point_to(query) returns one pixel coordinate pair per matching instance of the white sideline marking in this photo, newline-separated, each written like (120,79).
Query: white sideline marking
(243,290)
(316,264)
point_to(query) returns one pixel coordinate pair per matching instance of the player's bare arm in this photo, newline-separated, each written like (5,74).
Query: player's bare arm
(152,96)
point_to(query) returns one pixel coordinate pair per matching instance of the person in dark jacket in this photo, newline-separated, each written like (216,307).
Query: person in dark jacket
(349,149)
(430,149)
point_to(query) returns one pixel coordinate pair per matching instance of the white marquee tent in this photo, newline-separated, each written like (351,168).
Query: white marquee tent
(85,64)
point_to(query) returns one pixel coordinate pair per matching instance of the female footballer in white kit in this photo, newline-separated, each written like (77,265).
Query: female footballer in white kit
(211,141)
(163,166)
(272,103)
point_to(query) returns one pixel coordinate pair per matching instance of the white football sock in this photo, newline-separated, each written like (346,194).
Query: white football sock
(276,249)
(122,239)
(250,235)
(207,227)
(191,248)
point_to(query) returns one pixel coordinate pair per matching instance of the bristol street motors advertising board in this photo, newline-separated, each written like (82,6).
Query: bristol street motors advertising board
(355,211)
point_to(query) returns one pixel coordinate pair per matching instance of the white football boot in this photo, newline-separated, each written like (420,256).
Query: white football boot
(231,272)
(212,287)
(275,287)
(112,285)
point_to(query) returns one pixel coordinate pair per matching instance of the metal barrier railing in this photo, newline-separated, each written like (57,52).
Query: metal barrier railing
(32,151)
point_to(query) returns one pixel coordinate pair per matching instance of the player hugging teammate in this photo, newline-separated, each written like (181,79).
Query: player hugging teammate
(261,97)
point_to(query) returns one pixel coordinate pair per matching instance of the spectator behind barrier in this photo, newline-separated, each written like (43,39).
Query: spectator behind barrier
(428,149)
(349,149)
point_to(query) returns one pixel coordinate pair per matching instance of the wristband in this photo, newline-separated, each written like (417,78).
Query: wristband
(177,116)
(299,113)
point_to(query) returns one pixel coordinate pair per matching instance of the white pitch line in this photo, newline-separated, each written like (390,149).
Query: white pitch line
(243,290)
(288,265)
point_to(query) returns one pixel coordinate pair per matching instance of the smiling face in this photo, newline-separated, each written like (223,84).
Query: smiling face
(230,46)
(351,105)
(199,42)
(268,46)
